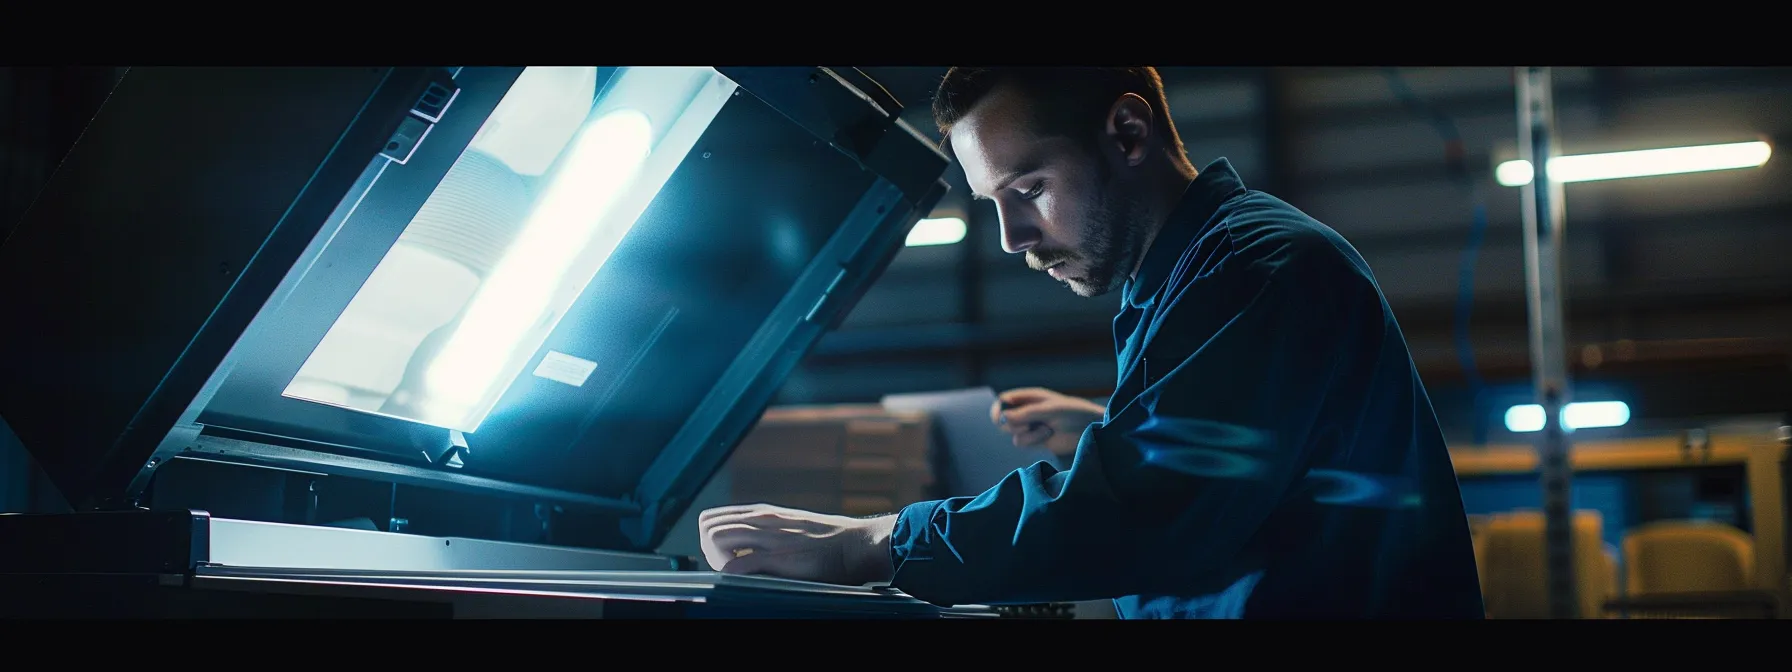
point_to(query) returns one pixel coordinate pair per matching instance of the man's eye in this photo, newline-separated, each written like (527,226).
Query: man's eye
(1033,193)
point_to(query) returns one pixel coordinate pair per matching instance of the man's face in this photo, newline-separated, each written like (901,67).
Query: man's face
(1061,201)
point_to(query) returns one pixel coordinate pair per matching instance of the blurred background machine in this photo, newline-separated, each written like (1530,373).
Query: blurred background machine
(1677,309)
(1670,526)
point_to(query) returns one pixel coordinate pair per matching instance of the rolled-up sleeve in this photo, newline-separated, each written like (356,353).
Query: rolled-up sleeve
(1167,495)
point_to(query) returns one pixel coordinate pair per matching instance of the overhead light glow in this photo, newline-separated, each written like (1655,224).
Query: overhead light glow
(546,191)
(515,300)
(648,119)
(1579,415)
(941,231)
(1640,163)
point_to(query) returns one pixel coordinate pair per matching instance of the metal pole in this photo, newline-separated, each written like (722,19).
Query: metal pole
(1543,235)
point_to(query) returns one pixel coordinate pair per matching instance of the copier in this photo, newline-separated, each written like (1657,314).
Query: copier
(432,342)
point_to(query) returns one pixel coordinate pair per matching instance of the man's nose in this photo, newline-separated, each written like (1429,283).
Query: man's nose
(1018,236)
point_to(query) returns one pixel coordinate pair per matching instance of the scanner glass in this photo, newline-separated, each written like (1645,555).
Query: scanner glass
(524,219)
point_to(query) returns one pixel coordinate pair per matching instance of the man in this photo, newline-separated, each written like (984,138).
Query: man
(1268,452)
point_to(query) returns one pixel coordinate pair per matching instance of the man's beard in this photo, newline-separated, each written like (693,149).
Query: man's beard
(1108,247)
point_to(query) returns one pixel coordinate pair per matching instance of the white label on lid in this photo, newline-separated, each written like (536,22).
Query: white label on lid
(564,368)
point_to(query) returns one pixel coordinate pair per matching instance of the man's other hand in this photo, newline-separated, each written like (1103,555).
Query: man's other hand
(1040,417)
(793,544)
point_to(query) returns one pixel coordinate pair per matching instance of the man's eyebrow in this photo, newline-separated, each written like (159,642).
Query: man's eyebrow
(1031,164)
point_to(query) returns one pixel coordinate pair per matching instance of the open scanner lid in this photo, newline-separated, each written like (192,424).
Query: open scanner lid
(580,286)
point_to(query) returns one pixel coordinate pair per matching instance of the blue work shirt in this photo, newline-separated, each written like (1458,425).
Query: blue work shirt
(1269,451)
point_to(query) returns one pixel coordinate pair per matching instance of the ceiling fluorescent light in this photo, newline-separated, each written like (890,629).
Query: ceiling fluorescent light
(1641,163)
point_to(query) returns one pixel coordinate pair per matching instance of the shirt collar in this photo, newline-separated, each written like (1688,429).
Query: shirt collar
(1215,184)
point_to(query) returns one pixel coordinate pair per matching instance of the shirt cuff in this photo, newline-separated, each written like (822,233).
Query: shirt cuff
(912,537)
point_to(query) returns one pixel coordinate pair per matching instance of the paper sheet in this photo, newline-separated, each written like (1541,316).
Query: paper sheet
(977,454)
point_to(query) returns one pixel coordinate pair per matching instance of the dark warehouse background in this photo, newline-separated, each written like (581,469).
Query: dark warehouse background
(1678,288)
(1679,295)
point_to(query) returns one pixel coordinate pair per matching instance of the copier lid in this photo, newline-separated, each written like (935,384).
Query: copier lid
(577,285)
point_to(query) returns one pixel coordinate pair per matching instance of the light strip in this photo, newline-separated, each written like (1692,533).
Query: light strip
(941,231)
(610,173)
(1640,163)
(514,300)
(1579,415)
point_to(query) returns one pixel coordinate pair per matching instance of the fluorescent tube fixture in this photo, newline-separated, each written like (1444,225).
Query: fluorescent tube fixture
(1640,163)
(605,180)
(1579,415)
(603,160)
(593,166)
(941,231)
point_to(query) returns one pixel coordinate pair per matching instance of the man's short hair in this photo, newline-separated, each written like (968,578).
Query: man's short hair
(1067,102)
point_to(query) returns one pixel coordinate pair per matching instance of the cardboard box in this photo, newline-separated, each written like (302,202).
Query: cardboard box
(860,459)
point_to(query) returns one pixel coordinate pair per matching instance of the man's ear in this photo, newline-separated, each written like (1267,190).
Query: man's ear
(1129,127)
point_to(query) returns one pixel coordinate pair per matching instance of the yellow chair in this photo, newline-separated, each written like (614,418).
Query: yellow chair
(1687,556)
(1509,551)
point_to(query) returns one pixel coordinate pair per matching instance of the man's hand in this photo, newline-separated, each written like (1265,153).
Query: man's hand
(1041,417)
(793,544)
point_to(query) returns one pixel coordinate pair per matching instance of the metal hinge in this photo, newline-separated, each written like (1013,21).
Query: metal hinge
(425,113)
(458,450)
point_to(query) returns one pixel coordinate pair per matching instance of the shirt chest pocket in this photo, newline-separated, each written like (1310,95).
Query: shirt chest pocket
(1148,375)
(1182,330)
(1173,338)
(1155,359)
